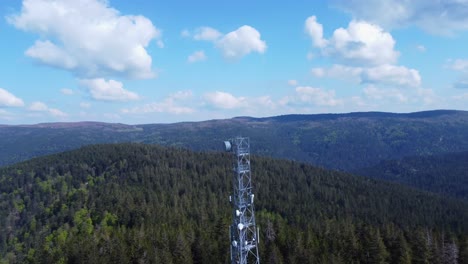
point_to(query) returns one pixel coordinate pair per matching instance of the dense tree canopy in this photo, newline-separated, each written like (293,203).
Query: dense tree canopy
(133,203)
(446,174)
(336,141)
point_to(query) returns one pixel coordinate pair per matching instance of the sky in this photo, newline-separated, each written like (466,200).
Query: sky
(146,61)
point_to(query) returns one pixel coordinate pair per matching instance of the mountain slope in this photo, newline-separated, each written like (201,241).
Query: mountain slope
(336,141)
(446,174)
(139,203)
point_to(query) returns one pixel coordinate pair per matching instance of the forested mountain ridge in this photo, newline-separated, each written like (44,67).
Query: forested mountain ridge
(337,141)
(446,174)
(134,203)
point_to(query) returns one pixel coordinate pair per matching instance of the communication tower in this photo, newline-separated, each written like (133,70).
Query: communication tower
(243,231)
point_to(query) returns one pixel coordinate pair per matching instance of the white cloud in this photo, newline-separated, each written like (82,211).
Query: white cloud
(66,91)
(9,100)
(42,107)
(318,72)
(88,37)
(234,44)
(317,96)
(315,31)
(460,65)
(383,74)
(427,95)
(365,53)
(306,95)
(393,75)
(206,33)
(196,56)
(57,113)
(173,104)
(375,93)
(437,17)
(241,42)
(361,43)
(266,102)
(223,100)
(48,53)
(292,82)
(38,107)
(111,90)
(338,71)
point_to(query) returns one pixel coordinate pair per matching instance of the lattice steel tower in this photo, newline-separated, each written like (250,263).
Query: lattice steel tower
(243,231)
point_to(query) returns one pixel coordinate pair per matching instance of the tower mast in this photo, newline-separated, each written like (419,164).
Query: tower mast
(243,231)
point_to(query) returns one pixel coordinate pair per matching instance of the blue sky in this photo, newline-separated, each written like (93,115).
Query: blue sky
(145,61)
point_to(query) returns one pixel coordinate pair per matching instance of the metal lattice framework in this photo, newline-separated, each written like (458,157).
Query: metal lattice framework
(243,231)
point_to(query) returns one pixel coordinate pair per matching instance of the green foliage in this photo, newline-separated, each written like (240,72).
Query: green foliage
(336,141)
(446,174)
(133,203)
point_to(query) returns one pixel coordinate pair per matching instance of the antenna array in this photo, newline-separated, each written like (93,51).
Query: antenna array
(243,232)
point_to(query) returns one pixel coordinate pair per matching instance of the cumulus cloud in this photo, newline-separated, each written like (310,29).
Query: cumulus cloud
(42,107)
(306,95)
(88,37)
(338,71)
(375,93)
(173,104)
(317,96)
(8,99)
(38,106)
(241,42)
(386,74)
(220,100)
(266,102)
(206,33)
(366,54)
(393,75)
(233,45)
(110,90)
(460,65)
(315,31)
(362,43)
(223,100)
(318,72)
(196,56)
(436,17)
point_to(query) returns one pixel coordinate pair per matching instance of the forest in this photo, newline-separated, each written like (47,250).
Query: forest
(336,141)
(136,203)
(445,174)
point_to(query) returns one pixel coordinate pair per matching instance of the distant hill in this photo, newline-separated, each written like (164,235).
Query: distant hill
(336,141)
(446,174)
(136,203)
